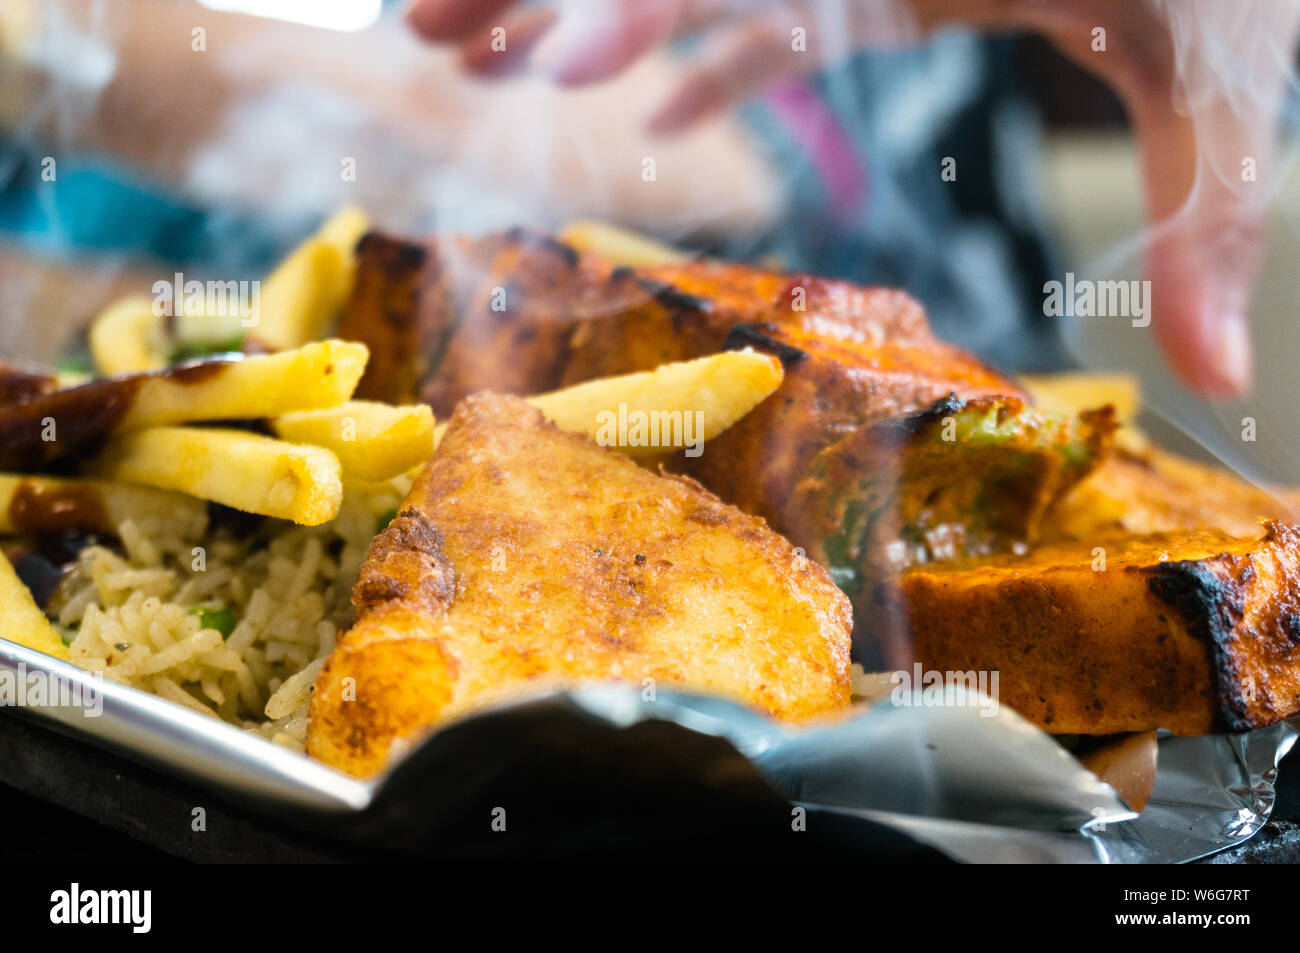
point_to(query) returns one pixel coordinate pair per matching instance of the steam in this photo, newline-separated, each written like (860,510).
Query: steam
(1234,90)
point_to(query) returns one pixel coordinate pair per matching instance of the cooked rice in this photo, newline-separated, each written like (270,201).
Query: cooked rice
(128,610)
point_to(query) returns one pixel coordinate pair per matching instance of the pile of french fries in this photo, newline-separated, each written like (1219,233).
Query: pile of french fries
(322,438)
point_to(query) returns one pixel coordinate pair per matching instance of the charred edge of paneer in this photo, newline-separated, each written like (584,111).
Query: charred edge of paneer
(759,336)
(1211,606)
(1212,597)
(673,299)
(532,238)
(960,478)
(405,561)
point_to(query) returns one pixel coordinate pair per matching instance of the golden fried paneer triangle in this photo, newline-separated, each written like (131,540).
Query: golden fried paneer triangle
(526,558)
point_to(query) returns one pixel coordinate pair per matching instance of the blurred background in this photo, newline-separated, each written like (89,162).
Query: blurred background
(143,137)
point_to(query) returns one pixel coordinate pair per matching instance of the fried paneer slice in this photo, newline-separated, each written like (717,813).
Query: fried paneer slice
(525,557)
(1192,632)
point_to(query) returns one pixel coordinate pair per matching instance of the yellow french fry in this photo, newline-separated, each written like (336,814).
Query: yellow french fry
(46,504)
(247,471)
(314,376)
(64,422)
(301,298)
(619,246)
(21,619)
(675,406)
(373,441)
(127,338)
(344,229)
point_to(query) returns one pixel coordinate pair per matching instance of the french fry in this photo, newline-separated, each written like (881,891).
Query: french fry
(22,620)
(303,295)
(247,471)
(127,338)
(620,246)
(314,376)
(44,504)
(373,441)
(344,229)
(664,404)
(58,424)
(300,297)
(296,303)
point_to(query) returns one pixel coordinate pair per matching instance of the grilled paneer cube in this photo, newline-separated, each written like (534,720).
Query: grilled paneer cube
(1192,632)
(525,558)
(832,388)
(959,479)
(401,309)
(454,315)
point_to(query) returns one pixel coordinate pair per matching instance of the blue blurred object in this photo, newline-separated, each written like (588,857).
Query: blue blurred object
(101,206)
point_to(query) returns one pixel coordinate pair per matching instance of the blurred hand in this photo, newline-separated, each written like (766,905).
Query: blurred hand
(1201,79)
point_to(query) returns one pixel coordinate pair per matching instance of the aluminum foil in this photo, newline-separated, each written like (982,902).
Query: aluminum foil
(979,784)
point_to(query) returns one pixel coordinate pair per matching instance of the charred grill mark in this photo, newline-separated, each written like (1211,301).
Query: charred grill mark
(941,408)
(1212,605)
(890,437)
(673,299)
(397,256)
(533,239)
(759,337)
